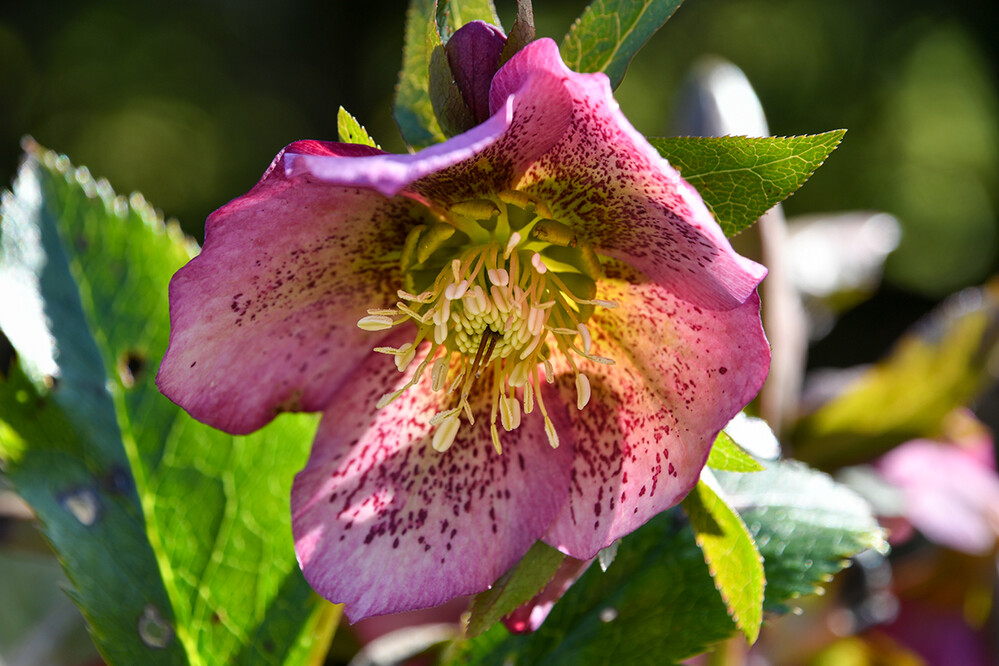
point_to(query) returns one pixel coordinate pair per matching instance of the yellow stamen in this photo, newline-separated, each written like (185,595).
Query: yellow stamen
(487,284)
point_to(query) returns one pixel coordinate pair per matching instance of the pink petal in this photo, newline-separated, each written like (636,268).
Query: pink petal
(605,180)
(951,496)
(383,523)
(264,319)
(681,373)
(390,174)
(541,113)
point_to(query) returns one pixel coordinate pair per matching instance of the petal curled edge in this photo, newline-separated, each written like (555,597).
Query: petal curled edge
(541,111)
(390,174)
(264,319)
(384,523)
(604,179)
(681,373)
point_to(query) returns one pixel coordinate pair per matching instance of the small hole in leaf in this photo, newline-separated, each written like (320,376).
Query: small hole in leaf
(131,366)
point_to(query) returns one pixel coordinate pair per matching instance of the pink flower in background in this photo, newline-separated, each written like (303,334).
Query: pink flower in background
(950,491)
(534,330)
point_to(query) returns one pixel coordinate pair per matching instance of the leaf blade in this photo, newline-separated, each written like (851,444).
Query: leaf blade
(610,32)
(728,456)
(516,587)
(805,524)
(214,508)
(735,564)
(59,441)
(740,178)
(351,131)
(411,108)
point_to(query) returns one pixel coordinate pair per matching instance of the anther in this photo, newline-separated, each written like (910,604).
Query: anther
(445,433)
(582,390)
(584,333)
(510,244)
(375,323)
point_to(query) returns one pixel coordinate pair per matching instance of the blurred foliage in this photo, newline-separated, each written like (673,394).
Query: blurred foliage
(188,102)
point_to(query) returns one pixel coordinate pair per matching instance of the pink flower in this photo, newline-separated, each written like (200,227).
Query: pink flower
(522,389)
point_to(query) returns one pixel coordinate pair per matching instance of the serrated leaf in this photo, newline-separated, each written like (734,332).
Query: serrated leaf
(59,441)
(351,131)
(209,512)
(731,555)
(804,524)
(610,32)
(942,364)
(412,110)
(729,456)
(515,587)
(656,606)
(740,178)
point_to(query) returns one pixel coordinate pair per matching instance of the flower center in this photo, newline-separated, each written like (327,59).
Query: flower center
(495,287)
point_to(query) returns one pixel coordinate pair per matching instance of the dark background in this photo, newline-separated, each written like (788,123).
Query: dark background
(188,102)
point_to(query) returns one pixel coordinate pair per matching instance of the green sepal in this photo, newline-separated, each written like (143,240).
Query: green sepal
(522,33)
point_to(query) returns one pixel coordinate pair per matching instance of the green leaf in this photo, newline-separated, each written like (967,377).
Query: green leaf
(522,33)
(609,33)
(351,131)
(658,605)
(939,366)
(176,537)
(740,178)
(413,112)
(459,12)
(449,106)
(517,586)
(804,524)
(729,456)
(731,555)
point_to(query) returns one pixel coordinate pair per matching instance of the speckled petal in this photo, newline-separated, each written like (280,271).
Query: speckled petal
(681,372)
(264,319)
(605,180)
(542,110)
(383,523)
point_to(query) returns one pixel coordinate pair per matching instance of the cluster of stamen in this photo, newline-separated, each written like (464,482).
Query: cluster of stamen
(495,287)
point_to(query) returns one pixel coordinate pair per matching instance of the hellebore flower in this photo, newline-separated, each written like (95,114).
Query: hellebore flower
(534,330)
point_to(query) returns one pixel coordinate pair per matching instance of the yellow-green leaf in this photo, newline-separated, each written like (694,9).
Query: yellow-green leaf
(731,555)
(351,131)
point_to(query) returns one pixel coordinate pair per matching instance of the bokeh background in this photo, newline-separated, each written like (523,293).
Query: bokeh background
(187,102)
